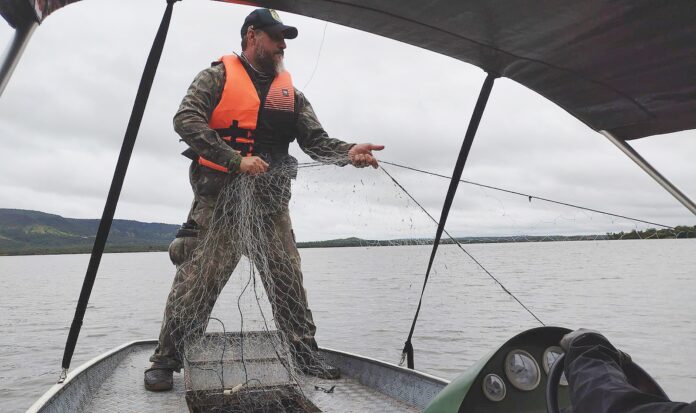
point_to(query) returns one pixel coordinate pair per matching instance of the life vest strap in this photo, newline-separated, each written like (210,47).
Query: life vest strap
(234,131)
(212,165)
(192,155)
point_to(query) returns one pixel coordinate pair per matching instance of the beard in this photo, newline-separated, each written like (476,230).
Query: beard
(271,63)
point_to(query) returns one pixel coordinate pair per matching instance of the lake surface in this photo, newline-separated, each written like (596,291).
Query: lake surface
(641,294)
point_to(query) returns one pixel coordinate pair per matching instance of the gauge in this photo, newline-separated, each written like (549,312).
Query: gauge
(522,370)
(551,354)
(494,387)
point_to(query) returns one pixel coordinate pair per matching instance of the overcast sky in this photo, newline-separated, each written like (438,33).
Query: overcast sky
(64,113)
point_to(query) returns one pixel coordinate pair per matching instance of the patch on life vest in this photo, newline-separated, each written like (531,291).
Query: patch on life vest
(274,14)
(286,93)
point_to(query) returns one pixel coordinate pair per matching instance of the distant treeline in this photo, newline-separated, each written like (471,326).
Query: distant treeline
(359,242)
(679,231)
(24,232)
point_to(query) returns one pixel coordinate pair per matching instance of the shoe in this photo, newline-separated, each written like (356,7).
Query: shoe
(315,365)
(159,379)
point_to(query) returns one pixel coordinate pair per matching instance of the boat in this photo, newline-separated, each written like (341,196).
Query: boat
(602,61)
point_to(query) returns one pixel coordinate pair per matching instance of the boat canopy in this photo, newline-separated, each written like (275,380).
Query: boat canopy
(17,12)
(627,67)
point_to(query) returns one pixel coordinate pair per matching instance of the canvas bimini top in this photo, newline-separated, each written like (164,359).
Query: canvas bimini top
(627,66)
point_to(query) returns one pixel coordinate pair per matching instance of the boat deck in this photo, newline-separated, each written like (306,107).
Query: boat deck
(114,383)
(123,392)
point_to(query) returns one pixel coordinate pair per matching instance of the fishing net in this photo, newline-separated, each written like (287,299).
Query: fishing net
(265,357)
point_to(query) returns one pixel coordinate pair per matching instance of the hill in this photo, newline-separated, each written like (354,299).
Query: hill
(33,232)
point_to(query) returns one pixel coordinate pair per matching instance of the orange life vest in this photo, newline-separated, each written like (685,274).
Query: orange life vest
(236,116)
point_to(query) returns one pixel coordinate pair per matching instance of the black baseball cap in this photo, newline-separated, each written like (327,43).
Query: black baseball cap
(268,21)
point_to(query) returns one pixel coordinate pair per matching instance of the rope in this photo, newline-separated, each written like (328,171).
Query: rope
(530,197)
(316,62)
(463,249)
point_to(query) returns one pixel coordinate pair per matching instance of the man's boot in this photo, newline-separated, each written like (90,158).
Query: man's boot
(312,363)
(159,378)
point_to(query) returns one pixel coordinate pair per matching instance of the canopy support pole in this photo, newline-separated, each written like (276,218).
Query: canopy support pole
(116,185)
(657,176)
(454,183)
(14,51)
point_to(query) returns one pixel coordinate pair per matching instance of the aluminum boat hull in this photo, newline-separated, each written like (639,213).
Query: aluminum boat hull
(112,382)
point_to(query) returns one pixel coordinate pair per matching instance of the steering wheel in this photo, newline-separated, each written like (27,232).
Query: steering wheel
(552,383)
(635,374)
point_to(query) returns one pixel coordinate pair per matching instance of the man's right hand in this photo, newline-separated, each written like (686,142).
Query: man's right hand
(253,165)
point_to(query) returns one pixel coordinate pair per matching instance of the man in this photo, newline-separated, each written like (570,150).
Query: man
(238,118)
(600,379)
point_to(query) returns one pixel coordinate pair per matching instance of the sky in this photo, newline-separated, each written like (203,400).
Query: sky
(64,113)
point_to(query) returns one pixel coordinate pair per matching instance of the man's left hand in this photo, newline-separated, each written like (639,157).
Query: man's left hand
(361,156)
(568,338)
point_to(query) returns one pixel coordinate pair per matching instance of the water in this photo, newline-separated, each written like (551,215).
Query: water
(641,294)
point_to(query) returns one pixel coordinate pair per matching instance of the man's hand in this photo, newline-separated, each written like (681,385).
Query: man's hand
(568,338)
(361,155)
(253,165)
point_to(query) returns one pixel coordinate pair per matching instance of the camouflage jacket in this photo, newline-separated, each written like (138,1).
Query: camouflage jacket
(204,94)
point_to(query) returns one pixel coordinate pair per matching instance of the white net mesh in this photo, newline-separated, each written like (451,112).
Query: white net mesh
(270,357)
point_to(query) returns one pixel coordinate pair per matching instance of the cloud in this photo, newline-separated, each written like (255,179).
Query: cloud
(64,113)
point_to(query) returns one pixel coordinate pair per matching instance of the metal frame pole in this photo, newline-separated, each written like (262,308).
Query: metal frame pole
(124,156)
(14,52)
(408,352)
(635,157)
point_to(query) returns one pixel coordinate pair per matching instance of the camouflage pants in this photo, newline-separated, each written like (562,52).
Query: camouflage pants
(194,293)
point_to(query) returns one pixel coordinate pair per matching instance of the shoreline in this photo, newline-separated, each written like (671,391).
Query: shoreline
(350,243)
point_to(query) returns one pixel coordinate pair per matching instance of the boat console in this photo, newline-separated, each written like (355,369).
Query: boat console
(511,378)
